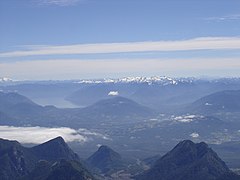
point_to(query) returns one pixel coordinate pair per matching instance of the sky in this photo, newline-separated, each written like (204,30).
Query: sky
(82,39)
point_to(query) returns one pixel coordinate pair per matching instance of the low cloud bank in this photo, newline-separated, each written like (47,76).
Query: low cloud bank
(37,135)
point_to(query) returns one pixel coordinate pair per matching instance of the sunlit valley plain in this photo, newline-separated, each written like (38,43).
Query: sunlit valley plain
(119,90)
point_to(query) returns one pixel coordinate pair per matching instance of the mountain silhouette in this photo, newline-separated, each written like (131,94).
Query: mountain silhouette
(52,159)
(188,161)
(105,160)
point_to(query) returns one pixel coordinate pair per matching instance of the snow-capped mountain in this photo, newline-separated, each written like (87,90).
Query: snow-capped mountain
(5,79)
(163,80)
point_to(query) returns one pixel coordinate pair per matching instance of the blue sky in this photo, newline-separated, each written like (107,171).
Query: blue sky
(74,39)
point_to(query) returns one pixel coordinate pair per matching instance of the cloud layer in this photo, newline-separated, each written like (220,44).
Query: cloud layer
(58,2)
(234,17)
(205,43)
(77,68)
(37,135)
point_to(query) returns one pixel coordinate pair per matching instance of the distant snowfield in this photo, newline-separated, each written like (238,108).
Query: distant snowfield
(37,135)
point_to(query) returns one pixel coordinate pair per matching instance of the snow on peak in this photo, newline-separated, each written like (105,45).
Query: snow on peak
(161,80)
(150,80)
(5,79)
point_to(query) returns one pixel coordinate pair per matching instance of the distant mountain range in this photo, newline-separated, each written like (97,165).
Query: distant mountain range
(160,80)
(159,92)
(223,101)
(16,109)
(162,93)
(5,80)
(163,80)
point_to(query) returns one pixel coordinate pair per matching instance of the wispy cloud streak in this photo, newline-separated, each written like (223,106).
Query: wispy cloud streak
(234,17)
(58,2)
(37,135)
(206,43)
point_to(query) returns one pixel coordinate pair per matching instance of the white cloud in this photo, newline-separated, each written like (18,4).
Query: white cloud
(208,104)
(58,2)
(37,135)
(232,17)
(186,118)
(194,135)
(204,43)
(90,133)
(113,93)
(78,68)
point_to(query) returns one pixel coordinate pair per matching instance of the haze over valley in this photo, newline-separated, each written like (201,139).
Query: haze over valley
(119,115)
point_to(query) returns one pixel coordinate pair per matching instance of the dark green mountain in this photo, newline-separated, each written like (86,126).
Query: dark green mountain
(18,162)
(53,150)
(12,160)
(188,161)
(60,170)
(105,160)
(150,161)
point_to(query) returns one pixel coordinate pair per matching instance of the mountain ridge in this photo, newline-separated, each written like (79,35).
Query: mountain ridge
(19,162)
(187,161)
(222,101)
(105,160)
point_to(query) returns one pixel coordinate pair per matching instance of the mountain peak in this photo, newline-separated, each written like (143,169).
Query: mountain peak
(55,149)
(118,107)
(196,151)
(188,145)
(188,160)
(58,139)
(106,152)
(105,159)
(185,143)
(51,160)
(104,148)
(117,99)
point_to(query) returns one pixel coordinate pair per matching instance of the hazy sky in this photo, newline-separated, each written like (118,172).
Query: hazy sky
(74,39)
